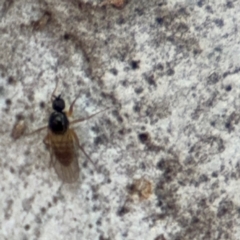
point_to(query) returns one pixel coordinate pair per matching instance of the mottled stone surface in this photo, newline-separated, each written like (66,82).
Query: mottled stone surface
(167,151)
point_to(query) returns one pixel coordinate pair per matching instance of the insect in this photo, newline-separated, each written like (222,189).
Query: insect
(62,141)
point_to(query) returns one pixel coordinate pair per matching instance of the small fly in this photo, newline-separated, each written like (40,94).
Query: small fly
(62,141)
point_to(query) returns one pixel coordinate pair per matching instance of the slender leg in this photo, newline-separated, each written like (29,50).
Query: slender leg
(82,149)
(86,118)
(70,111)
(36,131)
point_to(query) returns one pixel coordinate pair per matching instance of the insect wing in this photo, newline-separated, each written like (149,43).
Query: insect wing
(64,157)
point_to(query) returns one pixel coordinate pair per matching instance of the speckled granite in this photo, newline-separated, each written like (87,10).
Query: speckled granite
(168,150)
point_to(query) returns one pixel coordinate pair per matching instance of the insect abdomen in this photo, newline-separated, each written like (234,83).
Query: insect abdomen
(64,150)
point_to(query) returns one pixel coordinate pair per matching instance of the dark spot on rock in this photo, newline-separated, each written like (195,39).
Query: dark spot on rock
(195,220)
(27,227)
(101,237)
(139,11)
(125,83)
(99,222)
(218,49)
(90,226)
(203,178)
(229,4)
(12,170)
(138,90)
(225,74)
(55,199)
(219,22)
(27,152)
(85,164)
(159,20)
(135,64)
(196,51)
(236,70)
(95,196)
(143,137)
(38,219)
(1,90)
(150,80)
(143,166)
(101,139)
(122,131)
(19,117)
(137,107)
(170,72)
(95,129)
(213,78)
(201,3)
(225,207)
(162,3)
(43,210)
(228,125)
(154,148)
(159,201)
(214,174)
(161,164)
(122,211)
(30,97)
(11,80)
(209,9)
(42,104)
(228,88)
(120,21)
(160,67)
(8,102)
(160,237)
(66,36)
(131,188)
(114,71)
(170,168)
(213,123)
(116,114)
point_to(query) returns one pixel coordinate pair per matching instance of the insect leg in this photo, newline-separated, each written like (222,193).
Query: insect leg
(37,130)
(86,118)
(82,149)
(70,111)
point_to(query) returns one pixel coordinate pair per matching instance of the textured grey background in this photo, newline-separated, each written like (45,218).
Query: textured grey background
(169,69)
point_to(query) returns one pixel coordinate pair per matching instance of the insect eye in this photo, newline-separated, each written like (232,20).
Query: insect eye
(58,104)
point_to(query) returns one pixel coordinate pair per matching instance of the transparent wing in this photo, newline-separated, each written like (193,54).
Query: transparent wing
(64,156)
(67,174)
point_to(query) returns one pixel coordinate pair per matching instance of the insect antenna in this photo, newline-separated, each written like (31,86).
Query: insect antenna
(53,96)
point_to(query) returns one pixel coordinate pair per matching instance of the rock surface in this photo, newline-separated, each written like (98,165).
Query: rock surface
(166,152)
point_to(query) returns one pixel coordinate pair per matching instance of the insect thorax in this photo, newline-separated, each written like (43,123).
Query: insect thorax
(58,122)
